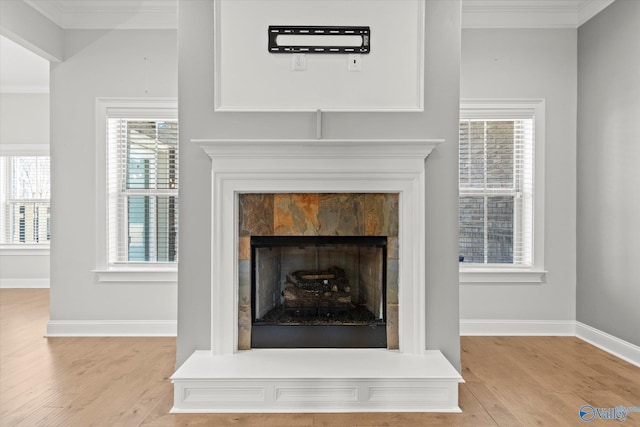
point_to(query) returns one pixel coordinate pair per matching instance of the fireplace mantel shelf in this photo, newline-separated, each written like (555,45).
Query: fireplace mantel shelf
(352,148)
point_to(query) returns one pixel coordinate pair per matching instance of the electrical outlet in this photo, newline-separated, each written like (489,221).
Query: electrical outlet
(299,62)
(355,62)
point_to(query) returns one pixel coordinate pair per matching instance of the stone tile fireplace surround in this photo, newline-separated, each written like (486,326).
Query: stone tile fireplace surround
(317,214)
(231,377)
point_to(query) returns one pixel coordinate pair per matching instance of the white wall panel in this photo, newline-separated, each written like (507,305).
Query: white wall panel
(249,77)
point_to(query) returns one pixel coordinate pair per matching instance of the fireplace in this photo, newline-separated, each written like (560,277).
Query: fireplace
(302,187)
(318,291)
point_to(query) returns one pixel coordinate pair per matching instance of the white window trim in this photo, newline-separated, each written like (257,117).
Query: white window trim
(24,149)
(25,250)
(126,272)
(499,274)
(9,249)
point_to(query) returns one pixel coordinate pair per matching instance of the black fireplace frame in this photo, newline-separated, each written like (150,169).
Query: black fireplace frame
(372,335)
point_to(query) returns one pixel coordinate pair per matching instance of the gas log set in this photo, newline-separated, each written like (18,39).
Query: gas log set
(317,293)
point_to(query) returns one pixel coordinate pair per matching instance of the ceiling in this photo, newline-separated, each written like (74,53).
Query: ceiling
(106,14)
(101,14)
(529,13)
(23,71)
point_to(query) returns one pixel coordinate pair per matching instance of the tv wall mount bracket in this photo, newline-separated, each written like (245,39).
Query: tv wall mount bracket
(319,39)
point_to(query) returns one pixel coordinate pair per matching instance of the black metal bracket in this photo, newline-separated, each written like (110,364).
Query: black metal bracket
(311,30)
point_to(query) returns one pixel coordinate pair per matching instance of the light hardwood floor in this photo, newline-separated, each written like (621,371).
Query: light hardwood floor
(510,381)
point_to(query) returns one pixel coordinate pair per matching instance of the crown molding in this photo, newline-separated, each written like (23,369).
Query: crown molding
(589,9)
(162,14)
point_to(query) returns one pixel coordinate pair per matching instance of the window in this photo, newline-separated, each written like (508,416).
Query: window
(136,190)
(24,197)
(500,147)
(142,157)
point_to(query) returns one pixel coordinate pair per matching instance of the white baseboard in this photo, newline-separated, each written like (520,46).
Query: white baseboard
(496,327)
(111,328)
(613,345)
(24,283)
(492,327)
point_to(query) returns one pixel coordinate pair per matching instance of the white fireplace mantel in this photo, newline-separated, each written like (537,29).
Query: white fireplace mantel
(317,166)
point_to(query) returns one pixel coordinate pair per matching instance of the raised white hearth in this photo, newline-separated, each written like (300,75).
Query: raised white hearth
(223,379)
(317,380)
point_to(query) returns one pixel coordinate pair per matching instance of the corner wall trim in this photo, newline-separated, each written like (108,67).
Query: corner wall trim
(111,328)
(28,283)
(613,345)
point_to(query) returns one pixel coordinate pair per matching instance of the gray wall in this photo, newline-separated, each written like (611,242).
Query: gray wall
(439,120)
(608,204)
(98,64)
(24,122)
(531,64)
(24,118)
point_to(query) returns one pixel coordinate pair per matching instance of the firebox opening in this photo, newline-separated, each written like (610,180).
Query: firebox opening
(318,291)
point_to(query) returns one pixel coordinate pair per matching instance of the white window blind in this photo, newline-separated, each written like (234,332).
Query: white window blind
(142,181)
(496,183)
(25,206)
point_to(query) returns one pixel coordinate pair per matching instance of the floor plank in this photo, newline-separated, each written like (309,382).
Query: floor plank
(510,381)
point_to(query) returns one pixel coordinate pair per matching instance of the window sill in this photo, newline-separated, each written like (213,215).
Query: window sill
(501,275)
(25,250)
(140,274)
